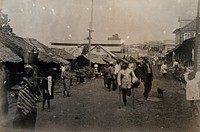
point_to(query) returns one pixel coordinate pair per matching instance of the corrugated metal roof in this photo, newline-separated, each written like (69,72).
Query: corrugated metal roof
(94,42)
(97,59)
(110,53)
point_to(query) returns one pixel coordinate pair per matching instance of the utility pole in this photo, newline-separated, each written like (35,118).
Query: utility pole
(90,29)
(196,41)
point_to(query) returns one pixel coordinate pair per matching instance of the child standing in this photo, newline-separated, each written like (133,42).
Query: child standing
(163,69)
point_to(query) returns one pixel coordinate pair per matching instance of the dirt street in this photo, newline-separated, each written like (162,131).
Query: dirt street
(91,107)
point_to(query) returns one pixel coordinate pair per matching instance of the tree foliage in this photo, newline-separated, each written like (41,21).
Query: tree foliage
(114,37)
(155,46)
(4,23)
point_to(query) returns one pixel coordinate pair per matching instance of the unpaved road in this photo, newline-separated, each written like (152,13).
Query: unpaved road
(92,107)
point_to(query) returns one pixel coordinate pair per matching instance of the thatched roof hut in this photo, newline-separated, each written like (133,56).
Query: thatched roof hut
(6,55)
(19,46)
(46,54)
(63,53)
(15,43)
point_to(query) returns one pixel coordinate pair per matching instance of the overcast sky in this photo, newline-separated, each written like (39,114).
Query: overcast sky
(64,20)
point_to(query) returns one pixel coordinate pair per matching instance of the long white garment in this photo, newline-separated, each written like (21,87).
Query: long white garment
(197,76)
(163,68)
(192,88)
(49,84)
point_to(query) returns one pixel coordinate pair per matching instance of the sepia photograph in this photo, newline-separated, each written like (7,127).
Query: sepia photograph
(99,66)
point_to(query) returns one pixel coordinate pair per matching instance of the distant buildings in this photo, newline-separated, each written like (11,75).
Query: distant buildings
(110,45)
(184,43)
(185,32)
(168,45)
(101,51)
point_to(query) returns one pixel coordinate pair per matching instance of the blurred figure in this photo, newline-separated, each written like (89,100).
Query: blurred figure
(132,66)
(26,114)
(111,77)
(192,90)
(138,70)
(159,63)
(147,77)
(96,70)
(105,75)
(117,69)
(3,90)
(163,69)
(62,68)
(47,85)
(67,77)
(175,64)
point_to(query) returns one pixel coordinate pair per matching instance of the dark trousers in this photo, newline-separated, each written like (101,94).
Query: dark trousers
(25,122)
(105,80)
(164,74)
(111,81)
(116,84)
(147,86)
(82,79)
(125,92)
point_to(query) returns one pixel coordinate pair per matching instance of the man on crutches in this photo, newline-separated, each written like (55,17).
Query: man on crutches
(133,97)
(125,79)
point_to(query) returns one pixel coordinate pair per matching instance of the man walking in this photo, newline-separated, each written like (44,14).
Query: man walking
(111,77)
(117,69)
(147,76)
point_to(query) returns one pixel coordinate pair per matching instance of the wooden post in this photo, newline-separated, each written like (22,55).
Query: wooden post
(196,47)
(197,53)
(3,92)
(90,34)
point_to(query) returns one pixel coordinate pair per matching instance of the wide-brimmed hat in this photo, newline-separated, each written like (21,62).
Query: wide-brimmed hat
(28,66)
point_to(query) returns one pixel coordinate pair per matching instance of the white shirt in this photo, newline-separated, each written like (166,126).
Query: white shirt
(175,63)
(62,68)
(49,78)
(117,68)
(148,68)
(163,68)
(125,78)
(96,65)
(192,89)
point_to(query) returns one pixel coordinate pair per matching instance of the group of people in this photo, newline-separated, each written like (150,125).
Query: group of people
(192,87)
(32,86)
(126,76)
